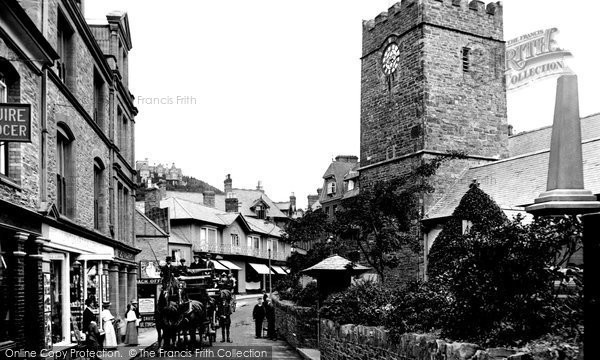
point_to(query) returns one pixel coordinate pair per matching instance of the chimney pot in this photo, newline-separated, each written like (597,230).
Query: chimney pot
(228,184)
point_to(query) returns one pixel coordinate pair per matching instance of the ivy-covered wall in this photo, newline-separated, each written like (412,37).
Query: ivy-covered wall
(296,324)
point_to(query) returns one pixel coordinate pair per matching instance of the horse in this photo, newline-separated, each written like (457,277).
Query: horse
(192,321)
(167,319)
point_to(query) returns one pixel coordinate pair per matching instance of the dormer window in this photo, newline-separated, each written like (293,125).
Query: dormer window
(350,185)
(260,212)
(331,188)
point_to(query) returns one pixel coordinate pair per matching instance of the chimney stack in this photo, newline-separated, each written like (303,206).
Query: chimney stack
(152,199)
(259,187)
(347,158)
(209,198)
(312,199)
(231,204)
(162,186)
(293,202)
(228,184)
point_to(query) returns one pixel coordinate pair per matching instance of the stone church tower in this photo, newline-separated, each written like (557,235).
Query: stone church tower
(432,82)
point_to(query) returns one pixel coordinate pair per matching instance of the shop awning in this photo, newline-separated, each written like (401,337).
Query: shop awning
(261,269)
(230,265)
(278,270)
(219,266)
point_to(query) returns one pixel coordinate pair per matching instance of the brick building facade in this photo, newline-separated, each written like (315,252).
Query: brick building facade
(67,196)
(432,82)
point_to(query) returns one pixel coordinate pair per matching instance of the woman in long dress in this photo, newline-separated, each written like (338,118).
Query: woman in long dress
(110,338)
(131,333)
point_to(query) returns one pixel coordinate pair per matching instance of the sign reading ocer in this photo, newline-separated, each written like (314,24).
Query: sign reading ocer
(15,122)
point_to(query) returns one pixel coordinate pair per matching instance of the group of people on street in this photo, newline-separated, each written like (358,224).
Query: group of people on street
(106,338)
(264,310)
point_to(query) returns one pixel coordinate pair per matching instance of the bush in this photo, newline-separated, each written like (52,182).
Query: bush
(366,303)
(300,296)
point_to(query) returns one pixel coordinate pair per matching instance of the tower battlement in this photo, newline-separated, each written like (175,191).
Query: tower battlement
(474,17)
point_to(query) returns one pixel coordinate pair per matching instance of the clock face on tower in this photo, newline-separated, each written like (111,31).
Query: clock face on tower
(390,58)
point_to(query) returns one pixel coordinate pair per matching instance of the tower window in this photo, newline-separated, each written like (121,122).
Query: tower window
(465,59)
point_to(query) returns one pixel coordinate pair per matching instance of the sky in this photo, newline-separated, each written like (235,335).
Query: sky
(269,90)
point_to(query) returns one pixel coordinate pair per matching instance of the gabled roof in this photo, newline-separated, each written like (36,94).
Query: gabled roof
(284,205)
(122,19)
(183,209)
(246,198)
(337,170)
(264,227)
(335,263)
(516,182)
(149,224)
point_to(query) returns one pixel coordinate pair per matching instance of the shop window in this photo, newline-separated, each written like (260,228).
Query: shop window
(56,299)
(5,308)
(65,186)
(77,302)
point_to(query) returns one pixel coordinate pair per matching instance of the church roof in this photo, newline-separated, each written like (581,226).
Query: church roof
(515,182)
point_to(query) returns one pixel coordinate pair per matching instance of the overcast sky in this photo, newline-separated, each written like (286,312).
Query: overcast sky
(276,83)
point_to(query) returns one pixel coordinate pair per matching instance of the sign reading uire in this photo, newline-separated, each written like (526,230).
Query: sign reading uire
(15,122)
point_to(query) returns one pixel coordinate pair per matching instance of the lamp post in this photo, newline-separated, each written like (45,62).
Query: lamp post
(270,283)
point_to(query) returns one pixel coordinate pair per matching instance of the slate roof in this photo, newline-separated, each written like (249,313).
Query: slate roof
(264,227)
(335,263)
(337,170)
(246,198)
(539,139)
(183,209)
(517,181)
(178,238)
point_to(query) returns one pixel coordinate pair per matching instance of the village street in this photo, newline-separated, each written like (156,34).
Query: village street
(242,335)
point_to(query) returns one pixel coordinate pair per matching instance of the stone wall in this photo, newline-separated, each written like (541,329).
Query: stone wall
(296,324)
(365,342)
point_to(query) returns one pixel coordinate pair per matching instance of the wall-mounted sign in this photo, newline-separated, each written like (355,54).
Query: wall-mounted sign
(534,56)
(149,269)
(146,305)
(15,122)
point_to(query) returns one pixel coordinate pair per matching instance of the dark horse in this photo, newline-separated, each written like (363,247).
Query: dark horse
(167,319)
(195,319)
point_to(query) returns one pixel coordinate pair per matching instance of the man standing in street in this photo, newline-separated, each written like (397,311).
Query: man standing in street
(258,315)
(270,314)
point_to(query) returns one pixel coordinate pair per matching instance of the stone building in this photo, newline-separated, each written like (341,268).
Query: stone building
(67,194)
(340,182)
(432,83)
(238,230)
(152,173)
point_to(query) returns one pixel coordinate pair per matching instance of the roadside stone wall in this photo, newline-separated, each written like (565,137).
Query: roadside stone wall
(296,324)
(365,342)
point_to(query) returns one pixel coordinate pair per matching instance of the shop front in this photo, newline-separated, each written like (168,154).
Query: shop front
(76,269)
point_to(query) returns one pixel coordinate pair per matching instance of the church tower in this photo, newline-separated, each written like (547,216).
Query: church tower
(432,81)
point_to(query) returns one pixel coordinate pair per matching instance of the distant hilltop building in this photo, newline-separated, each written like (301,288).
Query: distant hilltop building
(152,173)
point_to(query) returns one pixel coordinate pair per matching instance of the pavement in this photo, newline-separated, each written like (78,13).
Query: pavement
(146,337)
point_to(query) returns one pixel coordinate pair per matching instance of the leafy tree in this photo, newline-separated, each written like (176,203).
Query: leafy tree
(479,213)
(505,281)
(313,227)
(383,219)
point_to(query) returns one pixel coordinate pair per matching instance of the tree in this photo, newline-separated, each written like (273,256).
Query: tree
(315,228)
(505,280)
(384,218)
(479,213)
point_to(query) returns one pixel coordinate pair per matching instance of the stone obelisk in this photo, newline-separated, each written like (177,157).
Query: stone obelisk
(565,193)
